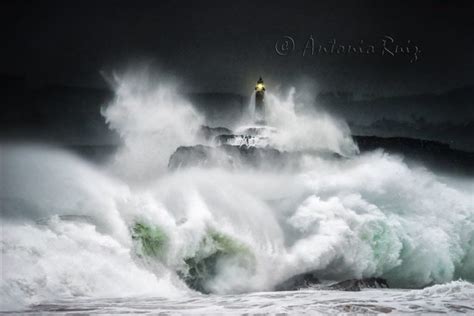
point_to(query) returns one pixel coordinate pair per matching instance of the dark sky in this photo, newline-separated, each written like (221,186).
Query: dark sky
(226,45)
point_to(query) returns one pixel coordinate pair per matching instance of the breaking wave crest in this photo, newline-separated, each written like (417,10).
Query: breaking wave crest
(131,227)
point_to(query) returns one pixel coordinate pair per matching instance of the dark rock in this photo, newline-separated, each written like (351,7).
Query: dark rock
(299,281)
(224,138)
(358,284)
(232,157)
(209,133)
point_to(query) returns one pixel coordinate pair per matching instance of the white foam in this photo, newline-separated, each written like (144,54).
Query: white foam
(370,215)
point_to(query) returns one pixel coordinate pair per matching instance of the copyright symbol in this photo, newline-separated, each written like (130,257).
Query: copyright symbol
(285,45)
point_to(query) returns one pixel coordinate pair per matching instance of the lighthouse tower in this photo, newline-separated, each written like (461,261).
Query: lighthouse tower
(260,102)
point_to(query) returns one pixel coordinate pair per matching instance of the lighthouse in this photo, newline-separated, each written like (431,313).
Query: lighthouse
(260,102)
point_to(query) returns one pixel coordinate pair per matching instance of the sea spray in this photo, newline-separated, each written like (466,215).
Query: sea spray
(151,241)
(361,216)
(152,119)
(63,259)
(305,127)
(217,252)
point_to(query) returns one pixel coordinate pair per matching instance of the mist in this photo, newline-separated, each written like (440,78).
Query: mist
(77,228)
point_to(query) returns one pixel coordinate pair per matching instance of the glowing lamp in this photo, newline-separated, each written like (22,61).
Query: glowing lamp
(260,86)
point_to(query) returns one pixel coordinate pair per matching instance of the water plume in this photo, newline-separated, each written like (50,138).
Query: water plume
(133,227)
(152,119)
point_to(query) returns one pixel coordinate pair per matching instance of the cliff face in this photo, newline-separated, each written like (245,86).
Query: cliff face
(249,149)
(232,157)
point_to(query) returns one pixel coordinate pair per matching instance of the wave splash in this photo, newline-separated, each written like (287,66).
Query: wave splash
(132,227)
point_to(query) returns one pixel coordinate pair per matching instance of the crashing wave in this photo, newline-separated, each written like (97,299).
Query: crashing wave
(199,269)
(257,216)
(216,252)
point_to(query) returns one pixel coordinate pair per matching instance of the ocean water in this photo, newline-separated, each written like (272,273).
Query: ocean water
(453,297)
(131,236)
